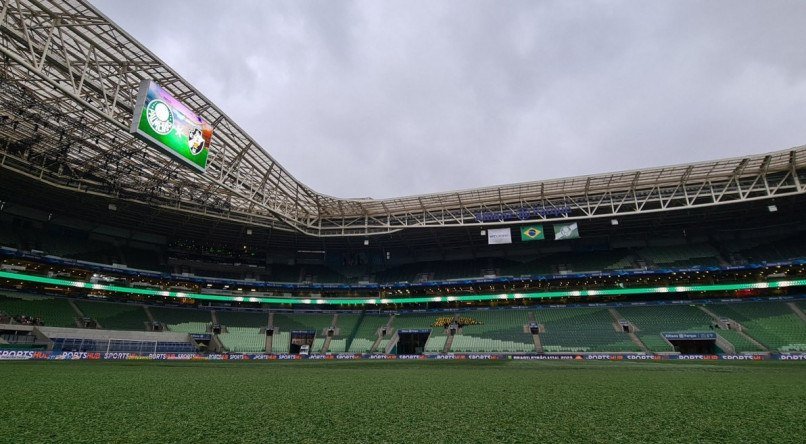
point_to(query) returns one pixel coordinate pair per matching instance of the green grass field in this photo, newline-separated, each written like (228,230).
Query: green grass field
(402,402)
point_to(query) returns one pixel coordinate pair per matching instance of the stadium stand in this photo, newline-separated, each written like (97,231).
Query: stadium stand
(243,340)
(112,346)
(113,316)
(183,319)
(682,255)
(435,343)
(318,345)
(652,321)
(281,342)
(54,312)
(337,346)
(242,319)
(739,341)
(302,321)
(347,324)
(499,331)
(773,324)
(762,250)
(366,333)
(92,340)
(382,346)
(416,322)
(581,330)
(360,345)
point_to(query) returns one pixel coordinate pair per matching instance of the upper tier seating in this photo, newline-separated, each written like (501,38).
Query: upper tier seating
(682,255)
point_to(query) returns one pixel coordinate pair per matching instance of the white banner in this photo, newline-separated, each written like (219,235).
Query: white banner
(499,236)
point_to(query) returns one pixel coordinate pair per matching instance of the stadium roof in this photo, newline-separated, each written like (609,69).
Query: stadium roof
(68,85)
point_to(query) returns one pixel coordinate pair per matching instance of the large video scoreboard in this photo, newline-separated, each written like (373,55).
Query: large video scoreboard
(168,124)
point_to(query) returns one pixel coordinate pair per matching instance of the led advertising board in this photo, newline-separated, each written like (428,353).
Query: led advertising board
(168,124)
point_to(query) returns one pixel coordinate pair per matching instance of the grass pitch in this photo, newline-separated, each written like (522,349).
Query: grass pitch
(430,401)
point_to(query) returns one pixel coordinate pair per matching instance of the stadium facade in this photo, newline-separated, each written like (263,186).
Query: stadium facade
(90,210)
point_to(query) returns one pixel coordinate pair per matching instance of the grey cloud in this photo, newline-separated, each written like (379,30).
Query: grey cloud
(381,99)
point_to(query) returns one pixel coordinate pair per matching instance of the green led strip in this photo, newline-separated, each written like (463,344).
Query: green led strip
(408,300)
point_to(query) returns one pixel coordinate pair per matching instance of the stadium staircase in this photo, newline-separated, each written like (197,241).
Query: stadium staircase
(270,339)
(535,337)
(651,322)
(329,339)
(741,327)
(633,337)
(150,315)
(725,345)
(365,335)
(79,314)
(773,324)
(214,318)
(346,334)
(449,340)
(797,311)
(216,346)
(376,346)
(734,332)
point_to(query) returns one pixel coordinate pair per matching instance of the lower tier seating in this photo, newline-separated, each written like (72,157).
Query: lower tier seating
(581,330)
(773,324)
(243,340)
(53,312)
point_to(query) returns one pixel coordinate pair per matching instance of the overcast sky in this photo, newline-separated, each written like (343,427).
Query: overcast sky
(390,98)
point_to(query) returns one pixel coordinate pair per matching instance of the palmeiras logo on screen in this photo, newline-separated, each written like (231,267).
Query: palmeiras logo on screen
(159,116)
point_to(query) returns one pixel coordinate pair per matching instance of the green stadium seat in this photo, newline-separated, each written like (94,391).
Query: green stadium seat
(113,316)
(773,324)
(581,330)
(654,320)
(243,340)
(499,331)
(184,320)
(54,312)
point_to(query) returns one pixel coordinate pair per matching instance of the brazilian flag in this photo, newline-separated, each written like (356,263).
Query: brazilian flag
(532,232)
